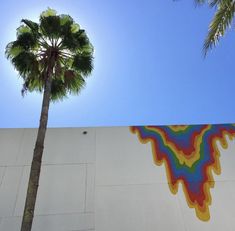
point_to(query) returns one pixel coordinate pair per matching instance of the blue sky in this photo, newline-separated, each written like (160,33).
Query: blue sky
(149,66)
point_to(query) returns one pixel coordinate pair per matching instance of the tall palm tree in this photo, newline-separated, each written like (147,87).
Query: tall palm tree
(222,20)
(52,56)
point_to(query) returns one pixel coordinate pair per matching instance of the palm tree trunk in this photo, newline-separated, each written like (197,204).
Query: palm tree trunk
(37,158)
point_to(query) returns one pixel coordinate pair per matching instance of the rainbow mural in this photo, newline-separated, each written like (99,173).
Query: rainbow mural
(190,155)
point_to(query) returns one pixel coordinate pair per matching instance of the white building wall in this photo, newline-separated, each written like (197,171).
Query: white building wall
(104,180)
(66,191)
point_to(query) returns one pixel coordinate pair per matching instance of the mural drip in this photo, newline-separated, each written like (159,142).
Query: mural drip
(190,155)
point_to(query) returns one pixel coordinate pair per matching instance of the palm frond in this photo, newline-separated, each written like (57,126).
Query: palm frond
(66,23)
(199,2)
(83,63)
(33,83)
(12,50)
(50,26)
(25,63)
(211,3)
(32,25)
(48,12)
(220,23)
(26,40)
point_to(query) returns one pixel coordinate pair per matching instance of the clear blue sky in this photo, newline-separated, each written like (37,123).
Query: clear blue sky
(149,67)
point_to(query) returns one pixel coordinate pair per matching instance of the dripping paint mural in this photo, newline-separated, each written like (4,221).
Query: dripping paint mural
(190,156)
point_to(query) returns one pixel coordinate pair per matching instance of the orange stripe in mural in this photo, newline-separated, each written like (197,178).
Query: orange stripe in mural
(190,154)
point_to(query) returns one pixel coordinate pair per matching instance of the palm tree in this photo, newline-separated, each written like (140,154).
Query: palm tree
(52,56)
(222,20)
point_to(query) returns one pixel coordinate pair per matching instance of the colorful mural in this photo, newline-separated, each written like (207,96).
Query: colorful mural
(190,155)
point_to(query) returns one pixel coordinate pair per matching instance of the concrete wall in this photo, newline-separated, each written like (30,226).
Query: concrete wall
(105,180)
(66,192)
